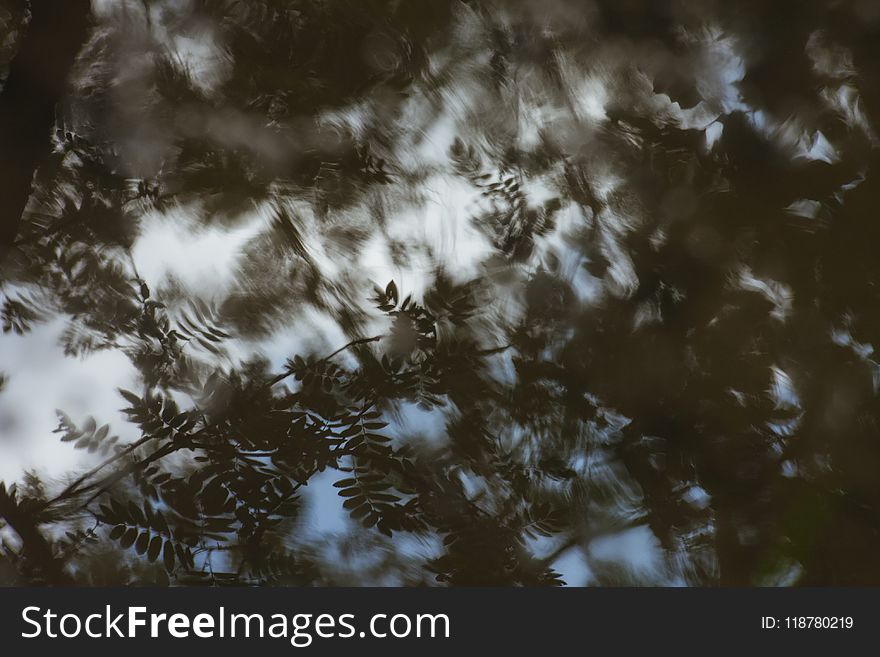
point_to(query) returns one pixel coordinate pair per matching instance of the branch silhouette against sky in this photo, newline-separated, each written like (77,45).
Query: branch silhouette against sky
(439,293)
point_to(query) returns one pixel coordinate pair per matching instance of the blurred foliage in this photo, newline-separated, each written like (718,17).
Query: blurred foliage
(671,331)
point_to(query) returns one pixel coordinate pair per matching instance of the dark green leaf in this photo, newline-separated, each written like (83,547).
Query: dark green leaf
(128,537)
(154,548)
(168,556)
(142,542)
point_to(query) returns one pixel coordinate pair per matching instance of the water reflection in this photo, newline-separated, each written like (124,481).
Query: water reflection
(445,292)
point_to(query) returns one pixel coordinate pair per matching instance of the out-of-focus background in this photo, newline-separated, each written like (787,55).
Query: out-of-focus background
(643,235)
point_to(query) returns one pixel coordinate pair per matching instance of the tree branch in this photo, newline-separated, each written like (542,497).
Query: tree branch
(354,343)
(71,490)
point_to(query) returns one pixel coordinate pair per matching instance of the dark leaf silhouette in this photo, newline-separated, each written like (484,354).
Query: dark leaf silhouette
(522,285)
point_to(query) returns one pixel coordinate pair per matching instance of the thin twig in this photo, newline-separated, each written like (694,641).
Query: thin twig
(354,343)
(70,491)
(155,456)
(496,350)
